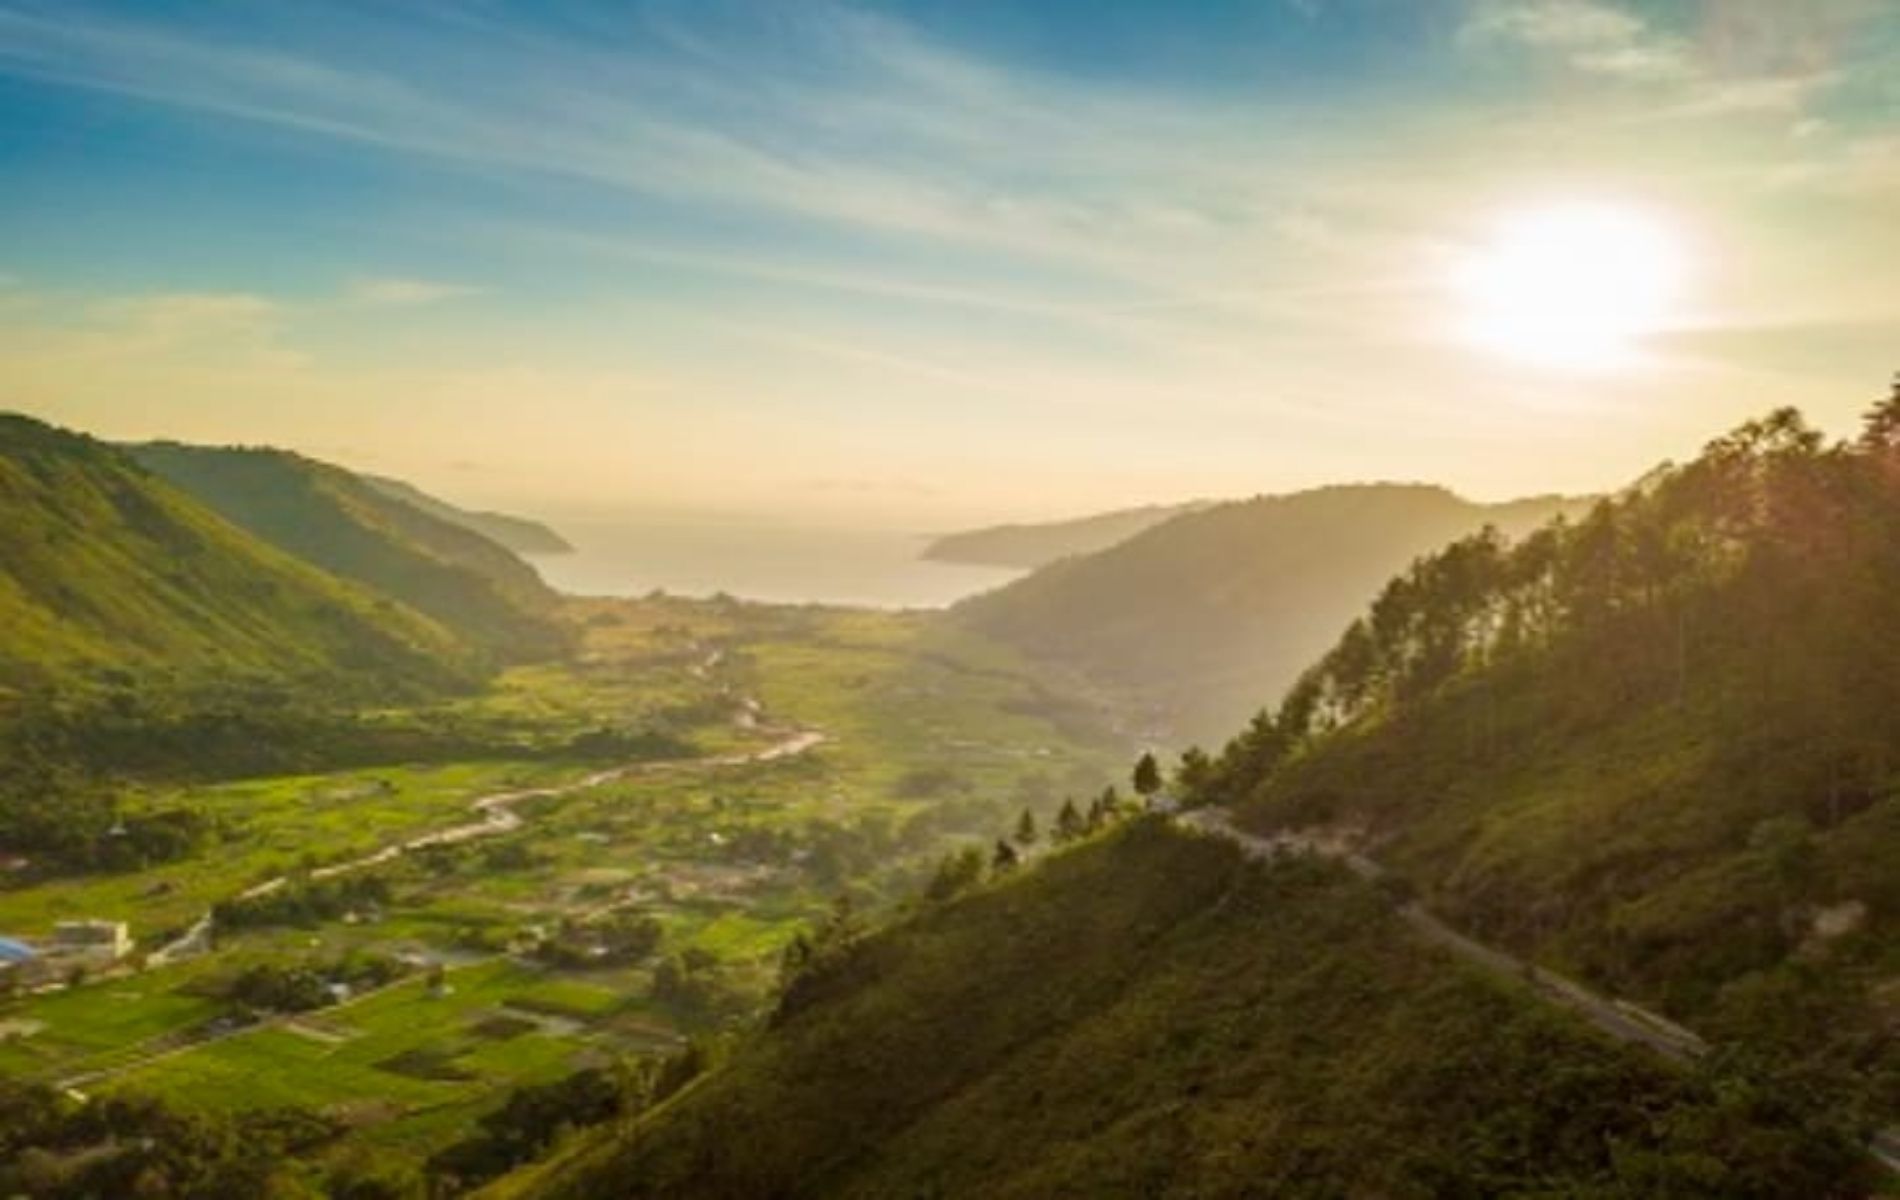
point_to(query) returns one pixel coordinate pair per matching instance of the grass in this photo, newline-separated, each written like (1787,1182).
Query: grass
(424,1056)
(273,826)
(89,1027)
(734,860)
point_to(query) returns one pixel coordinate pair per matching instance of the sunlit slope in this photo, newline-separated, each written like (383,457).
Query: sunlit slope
(351,528)
(1151,1015)
(1201,617)
(107,571)
(1660,747)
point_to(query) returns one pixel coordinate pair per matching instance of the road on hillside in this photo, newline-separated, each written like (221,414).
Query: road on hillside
(1621,1020)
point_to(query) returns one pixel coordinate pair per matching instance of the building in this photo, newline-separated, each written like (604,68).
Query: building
(108,940)
(19,965)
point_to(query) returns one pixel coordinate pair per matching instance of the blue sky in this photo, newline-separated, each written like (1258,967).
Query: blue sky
(928,262)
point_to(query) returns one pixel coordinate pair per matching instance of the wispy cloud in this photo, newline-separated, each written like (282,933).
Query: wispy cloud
(1578,25)
(902,221)
(1691,78)
(395,291)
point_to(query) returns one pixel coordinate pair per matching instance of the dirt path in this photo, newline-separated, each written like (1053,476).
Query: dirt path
(1620,1019)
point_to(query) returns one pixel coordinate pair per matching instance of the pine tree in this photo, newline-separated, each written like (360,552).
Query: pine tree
(1195,773)
(1026,829)
(1005,858)
(1147,778)
(1880,429)
(1069,825)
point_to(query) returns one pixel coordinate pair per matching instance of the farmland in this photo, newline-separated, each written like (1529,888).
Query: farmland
(830,758)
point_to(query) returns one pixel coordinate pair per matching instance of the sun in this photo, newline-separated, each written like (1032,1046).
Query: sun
(1575,286)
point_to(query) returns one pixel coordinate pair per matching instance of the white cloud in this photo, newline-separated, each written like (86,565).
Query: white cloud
(399,291)
(1567,24)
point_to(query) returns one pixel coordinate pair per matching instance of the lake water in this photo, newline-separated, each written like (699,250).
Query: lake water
(784,564)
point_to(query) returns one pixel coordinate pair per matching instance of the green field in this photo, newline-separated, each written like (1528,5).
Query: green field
(932,740)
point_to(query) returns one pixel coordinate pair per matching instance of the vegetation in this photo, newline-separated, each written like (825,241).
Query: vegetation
(356,530)
(63,822)
(53,1148)
(1149,1014)
(306,903)
(1654,746)
(640,919)
(1194,620)
(113,582)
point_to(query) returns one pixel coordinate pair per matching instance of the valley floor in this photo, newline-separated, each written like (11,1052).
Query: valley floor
(542,915)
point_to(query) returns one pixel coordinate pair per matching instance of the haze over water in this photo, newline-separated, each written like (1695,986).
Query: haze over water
(760,560)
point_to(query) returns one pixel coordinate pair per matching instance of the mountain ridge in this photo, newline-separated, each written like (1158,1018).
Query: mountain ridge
(522,535)
(341,523)
(1031,544)
(1196,619)
(108,571)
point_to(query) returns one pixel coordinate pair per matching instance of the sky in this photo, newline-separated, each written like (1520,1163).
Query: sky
(947,261)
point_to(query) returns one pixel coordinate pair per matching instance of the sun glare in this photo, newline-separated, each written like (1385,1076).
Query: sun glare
(1573,286)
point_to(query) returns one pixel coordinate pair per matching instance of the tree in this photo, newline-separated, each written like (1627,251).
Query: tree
(1026,829)
(956,874)
(1147,778)
(1005,858)
(1194,774)
(1880,431)
(1069,824)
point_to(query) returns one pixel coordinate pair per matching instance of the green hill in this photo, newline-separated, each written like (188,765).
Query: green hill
(513,533)
(1200,617)
(1659,748)
(108,573)
(1039,544)
(351,528)
(1152,1015)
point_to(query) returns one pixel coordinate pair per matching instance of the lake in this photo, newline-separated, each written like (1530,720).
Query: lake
(759,561)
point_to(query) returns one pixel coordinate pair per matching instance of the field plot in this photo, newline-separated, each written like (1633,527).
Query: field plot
(413,1049)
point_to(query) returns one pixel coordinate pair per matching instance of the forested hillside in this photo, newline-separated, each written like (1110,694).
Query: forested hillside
(351,528)
(1659,746)
(1035,545)
(111,577)
(1152,1015)
(1199,618)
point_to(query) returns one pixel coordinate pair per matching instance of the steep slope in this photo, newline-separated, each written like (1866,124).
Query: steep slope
(1151,1015)
(1201,617)
(1035,545)
(107,571)
(336,521)
(518,534)
(1659,748)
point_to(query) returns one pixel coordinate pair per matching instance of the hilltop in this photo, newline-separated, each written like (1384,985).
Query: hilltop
(109,575)
(518,534)
(1655,748)
(354,529)
(1038,544)
(1196,620)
